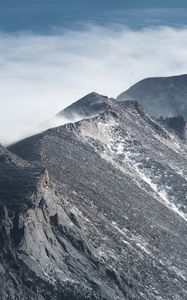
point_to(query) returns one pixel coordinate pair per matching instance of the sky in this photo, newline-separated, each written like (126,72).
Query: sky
(45,15)
(54,52)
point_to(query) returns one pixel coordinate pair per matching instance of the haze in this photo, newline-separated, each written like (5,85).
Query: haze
(42,74)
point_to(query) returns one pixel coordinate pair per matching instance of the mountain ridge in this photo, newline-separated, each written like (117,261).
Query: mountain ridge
(120,207)
(164,97)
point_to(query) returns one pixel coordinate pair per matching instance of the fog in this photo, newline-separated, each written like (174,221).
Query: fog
(42,74)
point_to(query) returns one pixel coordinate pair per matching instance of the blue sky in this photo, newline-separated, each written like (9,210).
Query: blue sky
(45,15)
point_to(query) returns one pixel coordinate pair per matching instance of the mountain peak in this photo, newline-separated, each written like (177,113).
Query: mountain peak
(92,94)
(88,106)
(160,96)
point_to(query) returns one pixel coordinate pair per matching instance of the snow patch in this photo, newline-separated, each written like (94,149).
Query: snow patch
(128,154)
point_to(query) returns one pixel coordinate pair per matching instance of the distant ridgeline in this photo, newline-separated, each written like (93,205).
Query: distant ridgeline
(164,98)
(161,97)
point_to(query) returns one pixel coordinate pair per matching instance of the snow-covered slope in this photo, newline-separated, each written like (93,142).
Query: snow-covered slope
(144,149)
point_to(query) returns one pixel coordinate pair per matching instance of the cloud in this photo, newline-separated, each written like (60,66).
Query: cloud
(42,74)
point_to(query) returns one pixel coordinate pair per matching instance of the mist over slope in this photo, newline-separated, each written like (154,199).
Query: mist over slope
(106,217)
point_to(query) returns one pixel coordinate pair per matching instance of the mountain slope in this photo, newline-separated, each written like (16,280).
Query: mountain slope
(162,96)
(117,209)
(44,253)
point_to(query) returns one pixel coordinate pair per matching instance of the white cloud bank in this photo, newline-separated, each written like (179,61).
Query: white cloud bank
(40,75)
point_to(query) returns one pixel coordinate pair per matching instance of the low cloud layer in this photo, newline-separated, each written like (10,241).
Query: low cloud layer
(41,74)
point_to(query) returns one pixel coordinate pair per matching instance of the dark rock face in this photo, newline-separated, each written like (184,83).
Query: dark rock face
(162,96)
(177,124)
(91,105)
(99,210)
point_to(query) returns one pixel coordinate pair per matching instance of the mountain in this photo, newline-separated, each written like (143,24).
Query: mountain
(96,210)
(91,105)
(162,96)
